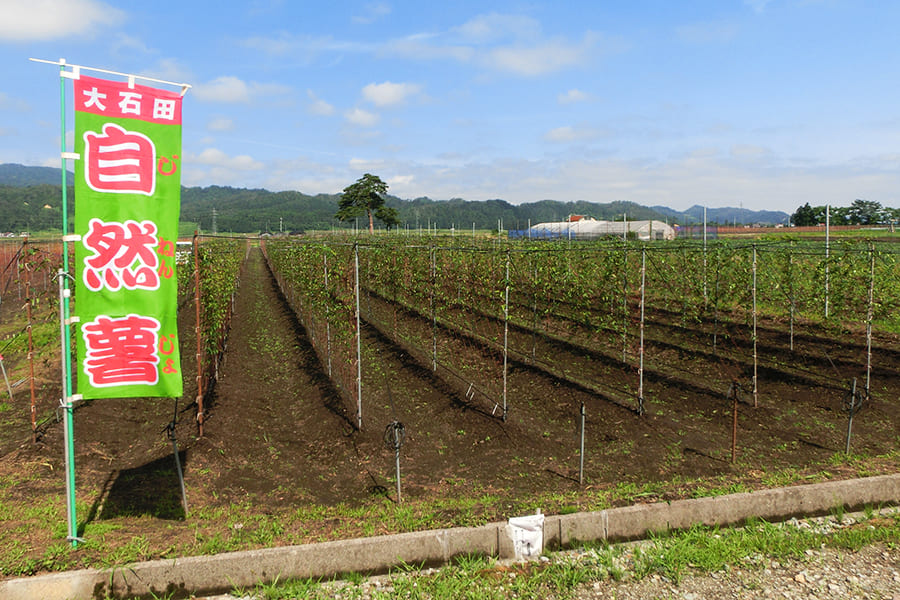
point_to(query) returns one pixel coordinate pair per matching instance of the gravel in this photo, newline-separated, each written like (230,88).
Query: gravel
(873,572)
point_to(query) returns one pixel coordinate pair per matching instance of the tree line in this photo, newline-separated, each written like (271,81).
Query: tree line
(860,212)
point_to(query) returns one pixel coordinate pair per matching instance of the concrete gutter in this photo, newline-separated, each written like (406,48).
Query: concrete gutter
(207,575)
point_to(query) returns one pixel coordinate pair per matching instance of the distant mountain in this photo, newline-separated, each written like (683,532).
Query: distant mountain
(724,216)
(20,175)
(241,210)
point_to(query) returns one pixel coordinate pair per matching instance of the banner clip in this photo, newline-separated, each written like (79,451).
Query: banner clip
(70,155)
(72,237)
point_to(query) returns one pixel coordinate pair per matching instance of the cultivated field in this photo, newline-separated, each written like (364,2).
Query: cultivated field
(561,377)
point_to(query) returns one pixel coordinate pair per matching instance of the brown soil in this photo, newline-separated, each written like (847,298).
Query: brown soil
(279,437)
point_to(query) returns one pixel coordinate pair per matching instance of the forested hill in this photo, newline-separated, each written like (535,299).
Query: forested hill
(243,210)
(30,201)
(20,175)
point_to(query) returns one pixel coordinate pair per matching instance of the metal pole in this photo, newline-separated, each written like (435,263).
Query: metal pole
(869,317)
(791,288)
(755,361)
(851,408)
(358,340)
(827,252)
(433,309)
(171,432)
(705,290)
(641,353)
(65,327)
(66,405)
(29,301)
(581,452)
(397,464)
(327,316)
(734,419)
(199,333)
(625,304)
(6,379)
(505,336)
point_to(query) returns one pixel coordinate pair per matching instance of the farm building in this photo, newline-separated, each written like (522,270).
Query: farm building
(587,228)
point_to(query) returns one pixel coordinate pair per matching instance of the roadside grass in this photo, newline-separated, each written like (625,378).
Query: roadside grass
(670,555)
(33,531)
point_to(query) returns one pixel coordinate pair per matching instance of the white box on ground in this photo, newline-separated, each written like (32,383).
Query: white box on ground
(527,535)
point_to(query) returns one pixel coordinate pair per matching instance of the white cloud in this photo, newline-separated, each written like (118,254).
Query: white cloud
(303,47)
(212,166)
(367,165)
(372,12)
(757,5)
(493,27)
(389,94)
(707,33)
(232,89)
(223,89)
(220,124)
(217,158)
(363,118)
(42,20)
(168,69)
(128,45)
(572,96)
(317,106)
(8,103)
(570,134)
(400,181)
(509,43)
(541,58)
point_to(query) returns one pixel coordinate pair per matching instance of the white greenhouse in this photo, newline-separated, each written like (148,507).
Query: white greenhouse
(588,229)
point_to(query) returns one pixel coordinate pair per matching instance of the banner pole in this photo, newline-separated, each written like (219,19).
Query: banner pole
(66,331)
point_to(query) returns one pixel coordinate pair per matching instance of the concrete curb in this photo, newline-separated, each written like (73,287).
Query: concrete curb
(207,575)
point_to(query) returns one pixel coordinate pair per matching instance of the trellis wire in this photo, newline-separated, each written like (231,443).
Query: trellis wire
(530,296)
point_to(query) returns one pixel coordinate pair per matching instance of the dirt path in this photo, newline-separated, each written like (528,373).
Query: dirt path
(275,425)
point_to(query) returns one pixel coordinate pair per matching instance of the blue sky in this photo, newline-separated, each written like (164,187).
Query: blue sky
(765,104)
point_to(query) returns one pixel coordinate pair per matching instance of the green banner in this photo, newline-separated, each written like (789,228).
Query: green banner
(127,201)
